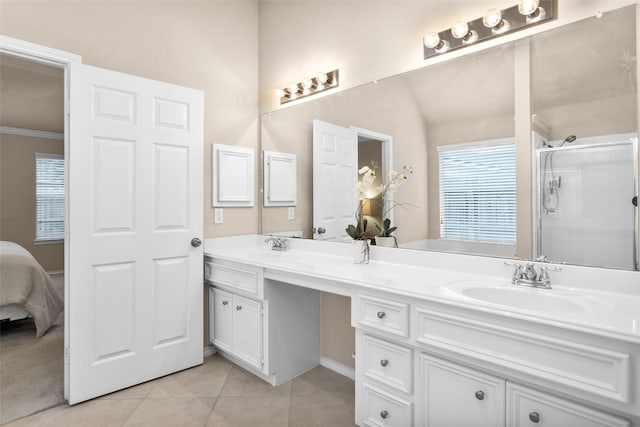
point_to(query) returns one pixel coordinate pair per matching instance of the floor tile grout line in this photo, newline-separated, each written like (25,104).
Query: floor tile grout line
(132,412)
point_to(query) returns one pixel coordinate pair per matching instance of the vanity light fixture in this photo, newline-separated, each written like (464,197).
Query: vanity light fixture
(307,87)
(493,24)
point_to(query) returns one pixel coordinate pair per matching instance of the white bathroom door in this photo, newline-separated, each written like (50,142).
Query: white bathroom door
(135,177)
(335,175)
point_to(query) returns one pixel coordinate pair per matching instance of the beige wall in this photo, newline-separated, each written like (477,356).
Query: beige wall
(210,46)
(338,337)
(17,196)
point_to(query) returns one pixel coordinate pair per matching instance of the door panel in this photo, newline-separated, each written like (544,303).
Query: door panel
(135,203)
(247,330)
(222,327)
(448,387)
(171,192)
(172,298)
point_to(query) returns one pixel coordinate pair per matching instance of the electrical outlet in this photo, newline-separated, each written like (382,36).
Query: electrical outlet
(291,213)
(218,216)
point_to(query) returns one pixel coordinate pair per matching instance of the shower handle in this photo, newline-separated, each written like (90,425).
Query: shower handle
(634,201)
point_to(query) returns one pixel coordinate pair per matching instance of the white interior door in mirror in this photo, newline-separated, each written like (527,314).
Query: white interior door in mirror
(280,174)
(335,175)
(233,174)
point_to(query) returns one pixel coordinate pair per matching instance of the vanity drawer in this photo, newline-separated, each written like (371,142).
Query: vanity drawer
(385,409)
(527,407)
(383,315)
(388,363)
(234,276)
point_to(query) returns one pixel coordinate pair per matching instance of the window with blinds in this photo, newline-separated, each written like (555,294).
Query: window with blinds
(478,191)
(49,197)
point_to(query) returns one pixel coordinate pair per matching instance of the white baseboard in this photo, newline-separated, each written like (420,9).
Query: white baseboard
(209,351)
(338,367)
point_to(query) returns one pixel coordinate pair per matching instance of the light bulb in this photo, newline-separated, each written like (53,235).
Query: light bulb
(460,30)
(293,89)
(528,7)
(431,40)
(280,93)
(307,84)
(492,18)
(322,78)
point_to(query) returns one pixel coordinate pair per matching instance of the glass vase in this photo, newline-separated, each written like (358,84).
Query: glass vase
(360,251)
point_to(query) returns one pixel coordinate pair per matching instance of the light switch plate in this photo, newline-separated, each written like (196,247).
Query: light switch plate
(291,213)
(218,216)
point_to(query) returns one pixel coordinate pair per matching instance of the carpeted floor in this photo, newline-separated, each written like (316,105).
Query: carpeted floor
(31,369)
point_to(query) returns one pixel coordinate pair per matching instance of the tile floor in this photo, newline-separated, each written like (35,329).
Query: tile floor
(217,393)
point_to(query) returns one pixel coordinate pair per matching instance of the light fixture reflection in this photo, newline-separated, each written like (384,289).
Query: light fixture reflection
(433,41)
(493,19)
(461,31)
(532,10)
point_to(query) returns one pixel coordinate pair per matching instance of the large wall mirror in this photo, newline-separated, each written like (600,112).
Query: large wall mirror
(542,130)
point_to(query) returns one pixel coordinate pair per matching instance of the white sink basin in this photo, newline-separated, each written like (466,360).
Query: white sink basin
(524,298)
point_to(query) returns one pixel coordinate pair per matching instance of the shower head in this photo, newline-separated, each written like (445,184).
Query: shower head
(568,139)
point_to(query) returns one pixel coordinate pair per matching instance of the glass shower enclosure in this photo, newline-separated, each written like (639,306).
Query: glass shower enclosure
(584,201)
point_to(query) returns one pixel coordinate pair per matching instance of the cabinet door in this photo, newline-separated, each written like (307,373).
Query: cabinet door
(530,408)
(457,396)
(220,318)
(247,330)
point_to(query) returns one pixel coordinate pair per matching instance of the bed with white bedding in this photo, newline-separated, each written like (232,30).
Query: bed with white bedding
(24,285)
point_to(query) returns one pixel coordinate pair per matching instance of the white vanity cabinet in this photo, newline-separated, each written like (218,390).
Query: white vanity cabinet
(268,327)
(426,364)
(236,326)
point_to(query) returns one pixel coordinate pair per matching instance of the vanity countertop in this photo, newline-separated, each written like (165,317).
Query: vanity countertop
(478,283)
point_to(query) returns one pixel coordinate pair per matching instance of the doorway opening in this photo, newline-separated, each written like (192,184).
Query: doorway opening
(32,225)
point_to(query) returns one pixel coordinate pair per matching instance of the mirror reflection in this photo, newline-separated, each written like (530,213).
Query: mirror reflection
(527,149)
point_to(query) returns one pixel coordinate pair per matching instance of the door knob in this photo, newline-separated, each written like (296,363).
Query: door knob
(321,230)
(195,242)
(534,417)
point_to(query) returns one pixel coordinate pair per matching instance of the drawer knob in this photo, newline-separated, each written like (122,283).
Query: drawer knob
(480,395)
(381,314)
(534,417)
(384,362)
(238,307)
(225,302)
(384,415)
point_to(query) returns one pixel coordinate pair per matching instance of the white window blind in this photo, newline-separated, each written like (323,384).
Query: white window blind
(49,197)
(478,191)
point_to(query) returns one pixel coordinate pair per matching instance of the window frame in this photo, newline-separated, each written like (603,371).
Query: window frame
(510,237)
(40,240)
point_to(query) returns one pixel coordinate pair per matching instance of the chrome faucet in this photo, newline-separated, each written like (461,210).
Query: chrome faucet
(277,243)
(525,274)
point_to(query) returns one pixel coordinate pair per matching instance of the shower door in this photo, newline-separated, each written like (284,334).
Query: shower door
(585,192)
